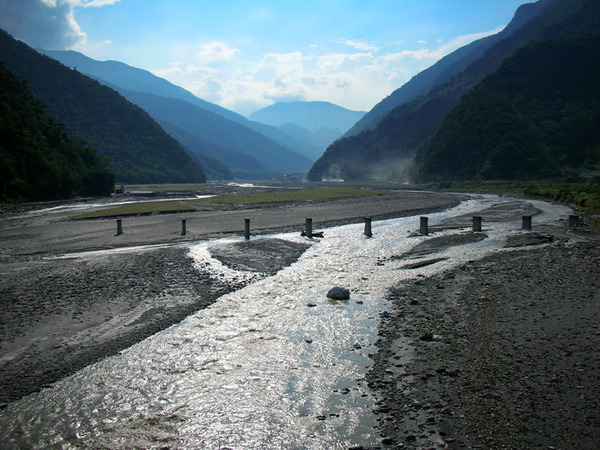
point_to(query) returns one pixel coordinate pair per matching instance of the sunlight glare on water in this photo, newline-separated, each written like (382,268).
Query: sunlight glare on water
(273,365)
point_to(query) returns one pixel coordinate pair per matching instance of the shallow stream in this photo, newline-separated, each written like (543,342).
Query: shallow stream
(274,365)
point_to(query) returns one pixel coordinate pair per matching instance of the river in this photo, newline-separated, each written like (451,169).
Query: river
(274,365)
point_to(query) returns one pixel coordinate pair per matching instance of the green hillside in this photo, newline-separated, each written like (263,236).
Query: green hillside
(538,116)
(38,158)
(136,147)
(385,151)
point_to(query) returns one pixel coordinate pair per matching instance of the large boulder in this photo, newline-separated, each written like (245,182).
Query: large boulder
(338,293)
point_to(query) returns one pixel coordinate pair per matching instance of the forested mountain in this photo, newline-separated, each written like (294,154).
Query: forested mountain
(127,79)
(538,116)
(443,70)
(136,147)
(204,154)
(38,158)
(385,151)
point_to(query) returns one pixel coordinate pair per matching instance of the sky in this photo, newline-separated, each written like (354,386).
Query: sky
(247,54)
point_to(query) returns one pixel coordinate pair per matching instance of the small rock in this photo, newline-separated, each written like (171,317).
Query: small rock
(311,305)
(426,337)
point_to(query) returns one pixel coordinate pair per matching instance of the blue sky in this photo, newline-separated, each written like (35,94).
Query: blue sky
(245,55)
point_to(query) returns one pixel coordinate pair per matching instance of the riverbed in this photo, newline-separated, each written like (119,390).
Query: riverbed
(275,364)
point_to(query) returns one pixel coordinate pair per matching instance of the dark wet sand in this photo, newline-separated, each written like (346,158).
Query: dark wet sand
(503,352)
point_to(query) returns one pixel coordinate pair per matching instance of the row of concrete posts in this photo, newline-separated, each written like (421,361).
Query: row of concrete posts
(423,228)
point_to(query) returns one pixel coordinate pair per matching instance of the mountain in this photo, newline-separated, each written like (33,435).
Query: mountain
(136,147)
(385,151)
(126,77)
(204,154)
(313,143)
(313,125)
(537,116)
(310,115)
(245,166)
(39,160)
(129,80)
(443,71)
(222,133)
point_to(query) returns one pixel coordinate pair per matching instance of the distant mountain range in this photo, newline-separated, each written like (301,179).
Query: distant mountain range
(210,129)
(135,146)
(315,123)
(428,116)
(521,104)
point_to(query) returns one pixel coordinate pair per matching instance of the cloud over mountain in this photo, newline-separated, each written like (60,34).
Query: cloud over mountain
(48,24)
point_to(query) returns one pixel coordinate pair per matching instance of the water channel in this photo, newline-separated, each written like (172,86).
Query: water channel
(274,365)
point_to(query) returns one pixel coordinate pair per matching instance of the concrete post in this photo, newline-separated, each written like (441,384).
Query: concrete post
(309,227)
(573,221)
(368,232)
(477,223)
(247,229)
(183,227)
(526,223)
(424,229)
(119,227)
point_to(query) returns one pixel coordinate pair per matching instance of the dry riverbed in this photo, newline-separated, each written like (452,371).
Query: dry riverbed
(502,352)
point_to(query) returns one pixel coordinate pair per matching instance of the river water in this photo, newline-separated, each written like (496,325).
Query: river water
(274,365)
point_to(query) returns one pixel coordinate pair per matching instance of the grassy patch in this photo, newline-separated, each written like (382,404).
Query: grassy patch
(171,187)
(138,209)
(175,206)
(315,194)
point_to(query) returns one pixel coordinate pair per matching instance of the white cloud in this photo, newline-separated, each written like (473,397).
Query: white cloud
(214,51)
(356,80)
(359,45)
(93,3)
(47,24)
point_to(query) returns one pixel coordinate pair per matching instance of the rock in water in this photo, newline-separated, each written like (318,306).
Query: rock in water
(338,293)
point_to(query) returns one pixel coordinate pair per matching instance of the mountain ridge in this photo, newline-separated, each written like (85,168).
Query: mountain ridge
(392,144)
(443,70)
(126,78)
(137,148)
